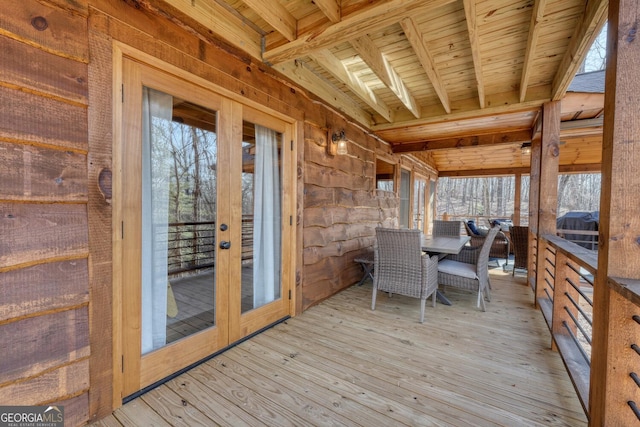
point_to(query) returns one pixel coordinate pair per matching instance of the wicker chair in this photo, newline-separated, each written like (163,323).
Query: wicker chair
(520,245)
(499,248)
(446,228)
(469,269)
(400,267)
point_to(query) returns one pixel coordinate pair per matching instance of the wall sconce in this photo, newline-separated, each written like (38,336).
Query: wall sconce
(337,144)
(526,148)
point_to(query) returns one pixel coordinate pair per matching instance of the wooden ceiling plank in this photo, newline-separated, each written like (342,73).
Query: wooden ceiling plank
(222,22)
(298,73)
(381,67)
(416,40)
(330,8)
(474,39)
(594,17)
(534,33)
(517,136)
(367,20)
(276,15)
(333,65)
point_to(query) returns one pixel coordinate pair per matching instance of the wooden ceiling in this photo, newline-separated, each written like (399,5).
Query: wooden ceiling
(462,79)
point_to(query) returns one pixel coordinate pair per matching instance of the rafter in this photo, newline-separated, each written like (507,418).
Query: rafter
(276,15)
(300,74)
(474,39)
(380,65)
(534,31)
(334,66)
(426,59)
(469,141)
(594,17)
(330,8)
(355,25)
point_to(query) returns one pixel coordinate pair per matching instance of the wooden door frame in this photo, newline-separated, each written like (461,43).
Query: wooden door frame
(121,51)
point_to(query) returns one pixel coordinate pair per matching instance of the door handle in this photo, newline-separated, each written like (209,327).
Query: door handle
(225,245)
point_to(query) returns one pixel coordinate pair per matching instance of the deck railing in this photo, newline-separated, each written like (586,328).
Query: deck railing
(565,298)
(192,245)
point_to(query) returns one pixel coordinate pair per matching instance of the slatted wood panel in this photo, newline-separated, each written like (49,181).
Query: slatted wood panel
(341,363)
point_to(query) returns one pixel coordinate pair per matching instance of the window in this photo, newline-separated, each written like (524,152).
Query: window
(385,172)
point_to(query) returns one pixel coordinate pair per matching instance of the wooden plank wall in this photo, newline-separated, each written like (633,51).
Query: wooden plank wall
(44,268)
(342,208)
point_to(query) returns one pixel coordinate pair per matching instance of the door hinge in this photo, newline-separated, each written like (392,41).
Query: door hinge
(290,219)
(122,92)
(289,294)
(122,363)
(292,145)
(122,230)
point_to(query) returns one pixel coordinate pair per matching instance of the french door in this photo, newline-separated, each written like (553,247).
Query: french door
(205,221)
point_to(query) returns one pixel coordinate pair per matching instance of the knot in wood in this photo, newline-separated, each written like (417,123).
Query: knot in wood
(39,23)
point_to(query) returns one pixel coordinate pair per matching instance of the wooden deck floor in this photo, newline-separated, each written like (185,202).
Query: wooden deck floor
(340,363)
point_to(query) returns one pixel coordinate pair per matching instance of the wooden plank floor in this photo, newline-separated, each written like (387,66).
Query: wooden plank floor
(340,363)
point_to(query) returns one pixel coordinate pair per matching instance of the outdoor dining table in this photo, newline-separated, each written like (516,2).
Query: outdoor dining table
(443,246)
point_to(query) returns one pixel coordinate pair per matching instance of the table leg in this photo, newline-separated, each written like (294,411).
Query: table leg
(368,268)
(443,300)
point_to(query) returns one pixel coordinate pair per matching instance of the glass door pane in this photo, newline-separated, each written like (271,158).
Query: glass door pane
(405,194)
(179,163)
(419,187)
(261,216)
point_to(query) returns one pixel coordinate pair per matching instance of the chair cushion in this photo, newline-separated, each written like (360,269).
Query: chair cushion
(457,268)
(472,226)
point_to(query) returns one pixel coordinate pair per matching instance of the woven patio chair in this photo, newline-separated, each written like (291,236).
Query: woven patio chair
(447,228)
(400,267)
(469,269)
(499,247)
(520,244)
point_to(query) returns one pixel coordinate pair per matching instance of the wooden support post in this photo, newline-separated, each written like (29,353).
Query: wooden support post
(619,251)
(517,199)
(548,188)
(534,199)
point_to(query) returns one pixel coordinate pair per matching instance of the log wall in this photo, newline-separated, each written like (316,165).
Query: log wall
(44,248)
(55,187)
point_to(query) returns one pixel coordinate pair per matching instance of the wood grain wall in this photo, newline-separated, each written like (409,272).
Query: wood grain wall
(44,250)
(55,187)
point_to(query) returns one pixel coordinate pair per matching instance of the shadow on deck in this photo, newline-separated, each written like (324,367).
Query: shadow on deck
(339,363)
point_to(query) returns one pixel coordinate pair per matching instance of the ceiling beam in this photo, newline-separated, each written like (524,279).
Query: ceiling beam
(221,21)
(534,32)
(381,67)
(512,137)
(468,109)
(474,40)
(416,40)
(333,65)
(357,24)
(275,15)
(305,78)
(330,8)
(470,173)
(594,17)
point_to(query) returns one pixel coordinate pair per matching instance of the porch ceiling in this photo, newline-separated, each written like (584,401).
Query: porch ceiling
(454,76)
